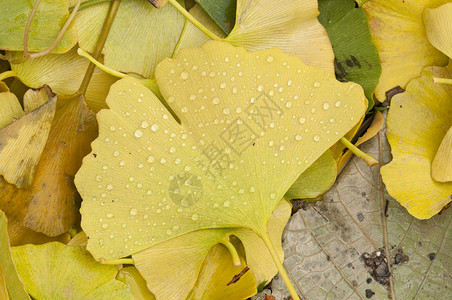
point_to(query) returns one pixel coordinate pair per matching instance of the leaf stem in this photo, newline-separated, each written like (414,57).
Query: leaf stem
(235,256)
(149,83)
(7,74)
(355,150)
(121,261)
(100,45)
(89,3)
(195,22)
(279,265)
(442,80)
(55,43)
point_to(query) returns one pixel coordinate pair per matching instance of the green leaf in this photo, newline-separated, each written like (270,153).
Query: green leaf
(46,24)
(356,57)
(316,180)
(221,11)
(57,271)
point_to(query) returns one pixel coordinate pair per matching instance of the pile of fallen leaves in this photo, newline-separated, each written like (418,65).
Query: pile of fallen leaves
(197,149)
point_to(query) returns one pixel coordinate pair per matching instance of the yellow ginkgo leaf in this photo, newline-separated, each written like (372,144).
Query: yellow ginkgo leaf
(136,283)
(22,143)
(417,122)
(11,109)
(438,25)
(57,271)
(252,122)
(442,163)
(63,73)
(51,204)
(179,260)
(139,38)
(219,279)
(14,286)
(398,32)
(35,98)
(292,26)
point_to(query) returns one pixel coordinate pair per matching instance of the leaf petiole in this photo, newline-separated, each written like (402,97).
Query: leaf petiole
(279,266)
(195,22)
(121,261)
(7,74)
(232,250)
(442,80)
(355,150)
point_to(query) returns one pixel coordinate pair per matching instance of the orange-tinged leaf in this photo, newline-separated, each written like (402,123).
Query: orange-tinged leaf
(51,204)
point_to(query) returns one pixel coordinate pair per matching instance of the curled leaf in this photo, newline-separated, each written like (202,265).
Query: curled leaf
(418,121)
(438,25)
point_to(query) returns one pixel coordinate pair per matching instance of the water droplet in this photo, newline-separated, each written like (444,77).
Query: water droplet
(326,106)
(252,189)
(338,103)
(192,97)
(298,137)
(109,187)
(212,74)
(331,120)
(112,128)
(260,88)
(138,133)
(289,104)
(226,111)
(222,85)
(316,138)
(109,216)
(269,58)
(195,217)
(272,196)
(133,212)
(215,100)
(155,127)
(227,203)
(241,191)
(234,90)
(184,75)
(151,159)
(105,226)
(316,84)
(313,110)
(302,120)
(116,153)
(172,150)
(163,160)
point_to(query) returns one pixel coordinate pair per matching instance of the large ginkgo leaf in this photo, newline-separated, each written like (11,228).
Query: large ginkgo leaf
(292,26)
(399,34)
(438,25)
(251,124)
(139,38)
(57,271)
(418,121)
(46,24)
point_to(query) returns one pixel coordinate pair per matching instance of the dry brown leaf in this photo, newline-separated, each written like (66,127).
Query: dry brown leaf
(51,204)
